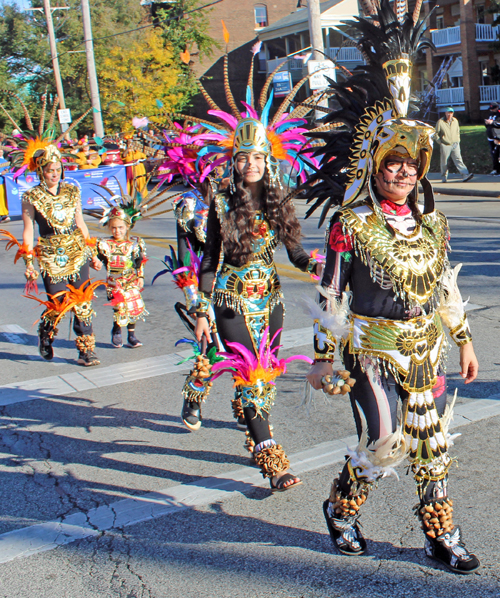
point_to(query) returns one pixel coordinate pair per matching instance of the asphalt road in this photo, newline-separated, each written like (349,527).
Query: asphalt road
(105,494)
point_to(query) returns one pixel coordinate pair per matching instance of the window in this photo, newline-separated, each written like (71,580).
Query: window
(480,13)
(260,11)
(440,22)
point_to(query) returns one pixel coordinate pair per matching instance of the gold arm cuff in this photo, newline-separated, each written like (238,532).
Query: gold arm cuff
(461,334)
(325,343)
(203,304)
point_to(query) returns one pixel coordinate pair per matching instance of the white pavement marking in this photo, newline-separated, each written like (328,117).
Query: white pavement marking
(12,329)
(89,379)
(67,384)
(131,511)
(19,336)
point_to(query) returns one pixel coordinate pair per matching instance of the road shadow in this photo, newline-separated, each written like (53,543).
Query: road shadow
(54,431)
(213,544)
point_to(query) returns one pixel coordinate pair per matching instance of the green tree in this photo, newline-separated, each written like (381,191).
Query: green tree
(185,28)
(119,28)
(25,48)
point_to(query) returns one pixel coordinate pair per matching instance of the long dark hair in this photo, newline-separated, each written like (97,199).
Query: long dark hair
(412,202)
(237,229)
(206,191)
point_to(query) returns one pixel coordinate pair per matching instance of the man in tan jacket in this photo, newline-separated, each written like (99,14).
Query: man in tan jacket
(448,137)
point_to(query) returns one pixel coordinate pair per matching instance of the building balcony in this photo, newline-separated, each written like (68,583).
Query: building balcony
(291,65)
(454,96)
(451,35)
(349,57)
(451,96)
(489,93)
(346,55)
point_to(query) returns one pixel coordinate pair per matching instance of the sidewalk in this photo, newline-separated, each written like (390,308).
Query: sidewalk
(481,185)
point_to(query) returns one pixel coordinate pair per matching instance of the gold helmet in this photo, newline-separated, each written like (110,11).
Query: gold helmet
(48,155)
(250,136)
(415,137)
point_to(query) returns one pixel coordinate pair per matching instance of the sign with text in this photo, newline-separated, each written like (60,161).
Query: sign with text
(319,70)
(64,116)
(85,180)
(282,84)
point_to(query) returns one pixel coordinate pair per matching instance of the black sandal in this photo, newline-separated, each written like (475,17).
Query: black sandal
(345,533)
(280,485)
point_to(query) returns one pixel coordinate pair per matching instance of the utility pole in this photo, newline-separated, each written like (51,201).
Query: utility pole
(94,86)
(53,51)
(315,31)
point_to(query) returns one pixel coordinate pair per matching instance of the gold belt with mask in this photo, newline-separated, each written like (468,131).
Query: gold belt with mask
(62,256)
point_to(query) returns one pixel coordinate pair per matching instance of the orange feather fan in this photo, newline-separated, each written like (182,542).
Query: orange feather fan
(64,301)
(12,242)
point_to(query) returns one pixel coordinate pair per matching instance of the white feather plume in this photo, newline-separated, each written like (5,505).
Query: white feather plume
(451,307)
(446,420)
(378,459)
(335,318)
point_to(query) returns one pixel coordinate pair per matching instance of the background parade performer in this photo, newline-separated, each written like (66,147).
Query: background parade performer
(124,258)
(182,148)
(392,254)
(65,250)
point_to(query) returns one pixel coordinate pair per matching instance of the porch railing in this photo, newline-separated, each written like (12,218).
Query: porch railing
(452,96)
(446,37)
(342,55)
(489,93)
(345,54)
(486,33)
(451,35)
(272,64)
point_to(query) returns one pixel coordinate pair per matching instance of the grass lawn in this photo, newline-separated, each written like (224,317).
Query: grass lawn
(475,151)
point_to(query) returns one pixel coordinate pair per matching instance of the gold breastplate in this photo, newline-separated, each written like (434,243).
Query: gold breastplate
(58,210)
(414,263)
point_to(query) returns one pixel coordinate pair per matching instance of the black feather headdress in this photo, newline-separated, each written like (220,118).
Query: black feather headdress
(375,94)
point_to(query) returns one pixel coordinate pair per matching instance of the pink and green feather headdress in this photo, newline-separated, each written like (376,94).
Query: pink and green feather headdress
(280,138)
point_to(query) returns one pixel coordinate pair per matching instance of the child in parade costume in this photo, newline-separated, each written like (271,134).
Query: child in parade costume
(238,274)
(392,256)
(245,225)
(124,259)
(65,250)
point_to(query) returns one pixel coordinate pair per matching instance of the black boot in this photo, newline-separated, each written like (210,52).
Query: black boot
(342,513)
(449,549)
(191,415)
(443,541)
(116,336)
(133,341)
(86,345)
(46,334)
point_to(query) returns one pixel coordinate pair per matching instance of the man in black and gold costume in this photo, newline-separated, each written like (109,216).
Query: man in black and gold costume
(387,291)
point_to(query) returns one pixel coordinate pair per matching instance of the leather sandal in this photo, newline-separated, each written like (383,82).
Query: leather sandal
(280,485)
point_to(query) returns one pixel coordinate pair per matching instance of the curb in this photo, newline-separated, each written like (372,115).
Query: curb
(463,192)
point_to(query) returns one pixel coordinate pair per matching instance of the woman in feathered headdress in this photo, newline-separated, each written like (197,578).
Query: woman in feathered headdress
(65,250)
(391,253)
(245,225)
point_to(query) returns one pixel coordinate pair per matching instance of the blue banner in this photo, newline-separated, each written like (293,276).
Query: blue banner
(85,180)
